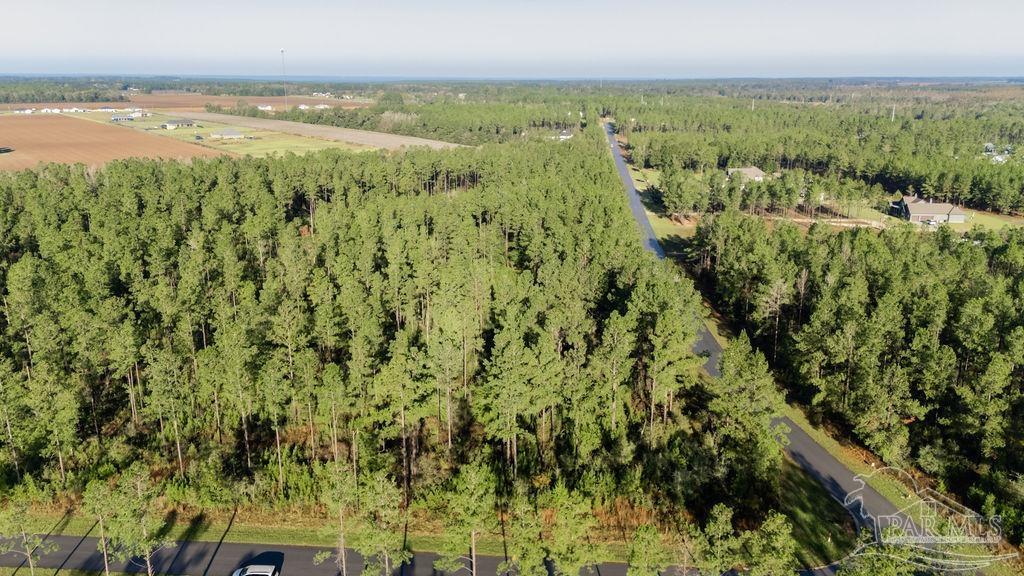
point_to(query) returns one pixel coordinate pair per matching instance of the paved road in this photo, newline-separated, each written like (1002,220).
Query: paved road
(350,135)
(837,479)
(221,559)
(706,343)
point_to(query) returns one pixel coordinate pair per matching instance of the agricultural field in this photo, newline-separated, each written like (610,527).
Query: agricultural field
(61,138)
(254,141)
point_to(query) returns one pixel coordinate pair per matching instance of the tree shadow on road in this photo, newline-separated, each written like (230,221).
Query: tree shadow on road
(231,522)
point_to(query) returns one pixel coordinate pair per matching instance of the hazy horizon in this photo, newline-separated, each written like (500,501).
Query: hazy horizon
(569,39)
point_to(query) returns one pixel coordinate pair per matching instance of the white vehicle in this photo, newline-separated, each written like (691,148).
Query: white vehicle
(256,570)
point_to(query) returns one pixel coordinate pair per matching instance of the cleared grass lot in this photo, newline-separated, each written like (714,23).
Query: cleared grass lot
(255,142)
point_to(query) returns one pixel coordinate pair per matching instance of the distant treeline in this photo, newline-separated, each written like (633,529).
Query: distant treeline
(452,120)
(34,90)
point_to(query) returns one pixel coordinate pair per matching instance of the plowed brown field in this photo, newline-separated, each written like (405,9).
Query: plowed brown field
(58,138)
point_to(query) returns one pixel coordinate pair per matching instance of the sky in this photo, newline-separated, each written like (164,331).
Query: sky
(514,39)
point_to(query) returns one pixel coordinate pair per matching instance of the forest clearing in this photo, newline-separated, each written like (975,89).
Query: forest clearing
(352,136)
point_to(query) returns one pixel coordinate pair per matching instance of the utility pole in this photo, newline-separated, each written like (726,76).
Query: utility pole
(751,104)
(893,119)
(284,77)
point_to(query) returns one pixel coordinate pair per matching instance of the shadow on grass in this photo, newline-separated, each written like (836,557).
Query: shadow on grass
(195,527)
(823,529)
(220,542)
(652,201)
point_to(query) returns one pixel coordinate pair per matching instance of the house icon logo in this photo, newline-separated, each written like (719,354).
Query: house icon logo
(930,531)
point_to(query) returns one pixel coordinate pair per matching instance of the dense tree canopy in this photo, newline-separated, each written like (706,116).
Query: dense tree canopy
(475,323)
(450,120)
(916,341)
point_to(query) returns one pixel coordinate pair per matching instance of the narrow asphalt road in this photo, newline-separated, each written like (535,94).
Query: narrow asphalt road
(221,559)
(706,343)
(837,479)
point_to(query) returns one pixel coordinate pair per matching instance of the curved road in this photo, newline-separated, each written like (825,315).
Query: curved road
(837,479)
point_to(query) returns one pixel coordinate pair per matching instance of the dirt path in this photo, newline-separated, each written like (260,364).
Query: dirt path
(365,137)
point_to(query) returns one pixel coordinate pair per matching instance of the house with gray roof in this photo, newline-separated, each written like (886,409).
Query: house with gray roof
(748,173)
(920,210)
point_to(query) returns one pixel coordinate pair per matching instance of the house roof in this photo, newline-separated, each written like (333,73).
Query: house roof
(751,172)
(922,207)
(227,132)
(179,121)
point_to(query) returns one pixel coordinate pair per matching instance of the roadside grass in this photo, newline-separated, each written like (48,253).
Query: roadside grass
(673,236)
(256,143)
(819,526)
(297,528)
(824,530)
(893,490)
(852,457)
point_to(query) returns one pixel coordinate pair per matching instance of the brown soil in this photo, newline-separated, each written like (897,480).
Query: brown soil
(59,138)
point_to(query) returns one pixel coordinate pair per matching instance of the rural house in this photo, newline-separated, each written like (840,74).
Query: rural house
(920,210)
(228,134)
(179,123)
(748,172)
